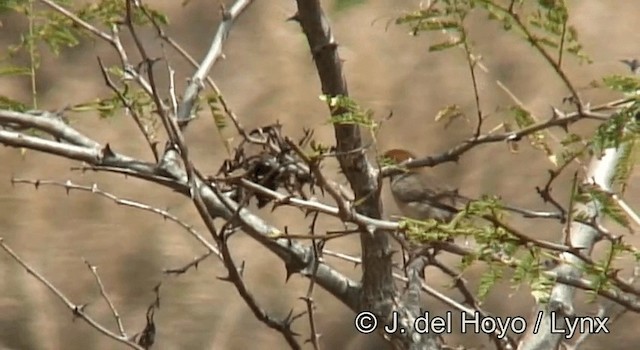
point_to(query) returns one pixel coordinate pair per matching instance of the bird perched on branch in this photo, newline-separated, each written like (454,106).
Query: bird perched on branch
(417,193)
(420,197)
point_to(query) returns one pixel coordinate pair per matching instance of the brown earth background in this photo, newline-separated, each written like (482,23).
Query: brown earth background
(268,75)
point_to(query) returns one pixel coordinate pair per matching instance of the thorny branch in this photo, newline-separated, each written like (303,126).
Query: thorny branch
(77,310)
(114,312)
(278,164)
(165,214)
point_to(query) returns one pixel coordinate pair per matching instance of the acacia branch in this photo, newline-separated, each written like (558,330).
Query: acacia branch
(581,237)
(165,214)
(454,153)
(190,95)
(379,293)
(171,174)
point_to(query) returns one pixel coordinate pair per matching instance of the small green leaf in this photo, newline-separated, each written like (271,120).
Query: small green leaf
(345,110)
(620,83)
(11,104)
(449,114)
(218,117)
(541,289)
(488,280)
(445,45)
(14,70)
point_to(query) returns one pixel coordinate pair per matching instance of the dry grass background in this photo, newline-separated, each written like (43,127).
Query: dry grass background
(268,75)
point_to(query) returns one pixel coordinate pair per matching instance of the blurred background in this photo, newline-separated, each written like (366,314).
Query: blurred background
(267,76)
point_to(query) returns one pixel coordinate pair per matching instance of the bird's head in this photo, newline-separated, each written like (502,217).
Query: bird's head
(398,156)
(395,157)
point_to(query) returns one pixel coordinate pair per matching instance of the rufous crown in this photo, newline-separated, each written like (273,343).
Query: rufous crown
(398,155)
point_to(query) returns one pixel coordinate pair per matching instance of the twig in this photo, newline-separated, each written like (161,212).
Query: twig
(78,310)
(68,186)
(308,298)
(215,51)
(116,315)
(193,263)
(234,276)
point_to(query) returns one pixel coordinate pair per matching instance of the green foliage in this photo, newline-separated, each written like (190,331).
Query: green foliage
(550,18)
(493,240)
(622,129)
(489,279)
(601,273)
(619,128)
(624,167)
(49,27)
(573,147)
(106,107)
(464,225)
(137,101)
(522,117)
(546,24)
(58,32)
(345,110)
(496,13)
(626,84)
(8,103)
(568,155)
(526,261)
(213,101)
(446,20)
(388,162)
(541,288)
(538,140)
(11,70)
(570,139)
(318,150)
(111,12)
(448,114)
(607,205)
(529,265)
(543,23)
(11,5)
(426,231)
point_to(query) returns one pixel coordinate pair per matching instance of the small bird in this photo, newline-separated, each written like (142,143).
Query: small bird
(418,195)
